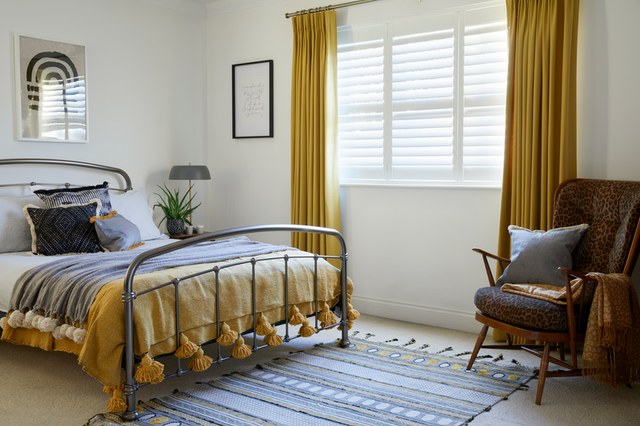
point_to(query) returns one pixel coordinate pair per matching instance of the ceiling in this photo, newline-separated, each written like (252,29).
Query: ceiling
(210,7)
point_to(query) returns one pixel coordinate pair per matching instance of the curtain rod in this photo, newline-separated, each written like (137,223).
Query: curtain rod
(330,7)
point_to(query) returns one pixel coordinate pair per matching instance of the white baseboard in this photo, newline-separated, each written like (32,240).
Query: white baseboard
(428,315)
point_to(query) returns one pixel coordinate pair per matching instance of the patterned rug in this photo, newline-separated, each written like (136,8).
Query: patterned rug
(372,384)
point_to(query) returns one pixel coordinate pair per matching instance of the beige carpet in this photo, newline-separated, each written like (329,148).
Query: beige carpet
(40,388)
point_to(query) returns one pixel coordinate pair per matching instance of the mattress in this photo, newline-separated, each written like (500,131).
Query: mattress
(13,265)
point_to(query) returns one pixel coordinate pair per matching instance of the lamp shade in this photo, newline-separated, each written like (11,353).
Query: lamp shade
(189,173)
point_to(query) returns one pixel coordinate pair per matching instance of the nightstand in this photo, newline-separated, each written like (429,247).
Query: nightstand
(183,236)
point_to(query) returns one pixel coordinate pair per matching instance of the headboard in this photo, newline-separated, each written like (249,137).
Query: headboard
(45,162)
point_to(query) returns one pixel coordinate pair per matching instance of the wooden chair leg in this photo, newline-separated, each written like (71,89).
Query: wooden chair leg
(476,349)
(561,350)
(574,354)
(544,366)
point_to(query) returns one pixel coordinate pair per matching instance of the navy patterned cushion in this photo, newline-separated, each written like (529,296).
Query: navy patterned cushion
(63,230)
(64,196)
(522,311)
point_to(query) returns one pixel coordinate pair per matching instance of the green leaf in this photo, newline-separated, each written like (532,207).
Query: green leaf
(173,205)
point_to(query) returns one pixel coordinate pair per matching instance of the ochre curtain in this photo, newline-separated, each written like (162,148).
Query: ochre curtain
(315,190)
(540,141)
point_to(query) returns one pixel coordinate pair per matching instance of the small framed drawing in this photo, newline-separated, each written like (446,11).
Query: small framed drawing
(51,90)
(252,85)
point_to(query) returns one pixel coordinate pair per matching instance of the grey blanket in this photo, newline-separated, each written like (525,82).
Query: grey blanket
(67,287)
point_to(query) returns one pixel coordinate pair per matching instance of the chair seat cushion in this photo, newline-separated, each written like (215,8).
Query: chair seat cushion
(522,311)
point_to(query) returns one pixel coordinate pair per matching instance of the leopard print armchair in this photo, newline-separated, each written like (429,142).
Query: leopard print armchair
(612,210)
(609,245)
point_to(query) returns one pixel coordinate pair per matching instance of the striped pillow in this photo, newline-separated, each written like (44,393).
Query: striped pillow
(64,196)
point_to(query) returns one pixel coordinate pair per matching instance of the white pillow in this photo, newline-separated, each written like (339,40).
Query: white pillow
(133,205)
(15,234)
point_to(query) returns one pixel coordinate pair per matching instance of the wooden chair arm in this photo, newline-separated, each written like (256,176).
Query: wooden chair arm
(571,318)
(485,254)
(571,273)
(491,255)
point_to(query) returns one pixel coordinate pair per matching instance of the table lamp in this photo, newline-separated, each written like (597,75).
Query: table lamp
(189,173)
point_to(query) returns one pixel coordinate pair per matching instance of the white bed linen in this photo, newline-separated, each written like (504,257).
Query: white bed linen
(13,265)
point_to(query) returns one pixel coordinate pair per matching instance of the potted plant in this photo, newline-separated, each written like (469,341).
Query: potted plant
(176,209)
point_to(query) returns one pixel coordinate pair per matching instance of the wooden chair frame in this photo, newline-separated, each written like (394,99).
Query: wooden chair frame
(572,336)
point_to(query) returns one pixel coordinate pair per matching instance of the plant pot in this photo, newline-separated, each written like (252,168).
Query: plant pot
(175,226)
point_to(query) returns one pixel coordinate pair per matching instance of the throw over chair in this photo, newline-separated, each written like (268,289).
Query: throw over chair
(609,245)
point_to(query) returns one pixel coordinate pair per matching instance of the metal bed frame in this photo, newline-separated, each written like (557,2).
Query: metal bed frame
(129,296)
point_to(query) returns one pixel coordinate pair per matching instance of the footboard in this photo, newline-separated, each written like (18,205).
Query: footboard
(129,296)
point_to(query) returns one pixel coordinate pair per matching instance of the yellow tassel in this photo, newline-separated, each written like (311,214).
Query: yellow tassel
(296,317)
(240,350)
(352,313)
(187,347)
(263,328)
(157,379)
(326,325)
(116,402)
(135,246)
(306,330)
(227,336)
(149,371)
(272,339)
(94,218)
(108,389)
(326,317)
(200,361)
(350,325)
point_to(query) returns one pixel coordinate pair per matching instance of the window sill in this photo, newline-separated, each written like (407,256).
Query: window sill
(422,185)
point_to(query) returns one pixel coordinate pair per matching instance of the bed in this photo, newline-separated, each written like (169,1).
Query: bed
(149,297)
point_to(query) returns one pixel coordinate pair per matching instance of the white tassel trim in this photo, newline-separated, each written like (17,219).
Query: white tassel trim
(28,319)
(47,325)
(32,319)
(79,335)
(15,319)
(70,331)
(57,334)
(35,323)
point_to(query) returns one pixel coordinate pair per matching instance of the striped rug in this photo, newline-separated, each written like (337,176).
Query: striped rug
(369,383)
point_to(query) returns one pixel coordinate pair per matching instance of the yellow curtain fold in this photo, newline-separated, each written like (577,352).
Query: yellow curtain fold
(540,140)
(315,188)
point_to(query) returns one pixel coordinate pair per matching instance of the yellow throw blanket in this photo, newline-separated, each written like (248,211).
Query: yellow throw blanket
(101,353)
(611,352)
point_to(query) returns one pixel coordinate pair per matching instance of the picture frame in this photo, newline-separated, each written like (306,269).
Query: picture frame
(50,90)
(252,100)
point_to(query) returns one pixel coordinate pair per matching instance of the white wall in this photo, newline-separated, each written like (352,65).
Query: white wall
(410,248)
(146,80)
(608,89)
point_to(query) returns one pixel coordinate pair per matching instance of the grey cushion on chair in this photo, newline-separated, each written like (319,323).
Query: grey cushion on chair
(536,255)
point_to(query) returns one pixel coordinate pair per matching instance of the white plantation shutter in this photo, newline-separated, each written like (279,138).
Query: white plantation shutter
(484,97)
(361,104)
(422,99)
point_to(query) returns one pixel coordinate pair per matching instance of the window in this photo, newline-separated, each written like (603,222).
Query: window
(422,99)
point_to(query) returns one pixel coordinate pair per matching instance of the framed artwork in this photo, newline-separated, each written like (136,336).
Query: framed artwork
(252,85)
(51,90)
